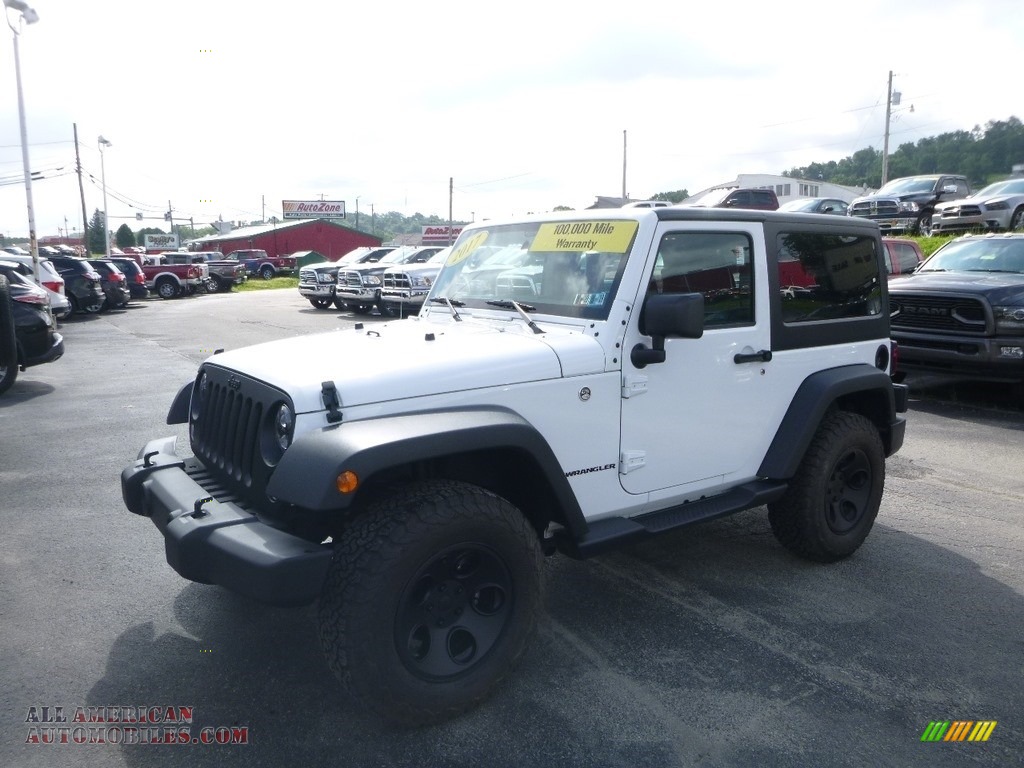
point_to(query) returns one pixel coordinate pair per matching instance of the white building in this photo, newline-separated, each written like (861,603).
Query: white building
(786,188)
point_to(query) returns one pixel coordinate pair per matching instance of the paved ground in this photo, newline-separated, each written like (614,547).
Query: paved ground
(708,647)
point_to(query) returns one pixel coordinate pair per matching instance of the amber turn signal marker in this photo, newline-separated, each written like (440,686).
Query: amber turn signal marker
(347,482)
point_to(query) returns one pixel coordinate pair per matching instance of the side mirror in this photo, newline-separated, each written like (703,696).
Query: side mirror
(676,315)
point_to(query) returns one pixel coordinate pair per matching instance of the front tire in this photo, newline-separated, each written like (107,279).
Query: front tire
(833,500)
(1017,220)
(361,309)
(321,303)
(924,224)
(431,598)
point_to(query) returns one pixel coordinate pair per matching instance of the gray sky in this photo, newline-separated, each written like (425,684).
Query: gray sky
(226,106)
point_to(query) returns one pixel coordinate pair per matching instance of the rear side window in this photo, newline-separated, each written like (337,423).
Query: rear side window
(839,276)
(905,257)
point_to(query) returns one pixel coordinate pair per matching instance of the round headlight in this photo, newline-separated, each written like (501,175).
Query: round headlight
(200,393)
(284,425)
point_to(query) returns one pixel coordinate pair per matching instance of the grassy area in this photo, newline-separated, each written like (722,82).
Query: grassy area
(930,245)
(259,284)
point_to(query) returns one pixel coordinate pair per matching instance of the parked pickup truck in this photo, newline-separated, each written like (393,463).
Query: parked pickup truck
(168,281)
(260,263)
(907,204)
(224,273)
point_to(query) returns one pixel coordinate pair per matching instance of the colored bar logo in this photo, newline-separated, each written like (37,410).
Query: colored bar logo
(959,730)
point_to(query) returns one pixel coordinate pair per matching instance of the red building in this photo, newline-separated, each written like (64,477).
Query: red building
(321,235)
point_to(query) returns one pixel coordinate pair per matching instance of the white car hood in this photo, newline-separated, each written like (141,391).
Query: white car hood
(400,360)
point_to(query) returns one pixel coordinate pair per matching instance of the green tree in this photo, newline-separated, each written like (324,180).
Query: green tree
(672,197)
(97,233)
(124,237)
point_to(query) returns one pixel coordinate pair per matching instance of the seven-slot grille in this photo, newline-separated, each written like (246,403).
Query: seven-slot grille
(227,429)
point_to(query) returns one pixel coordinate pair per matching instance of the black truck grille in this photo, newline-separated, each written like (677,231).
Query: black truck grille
(875,208)
(958,314)
(228,427)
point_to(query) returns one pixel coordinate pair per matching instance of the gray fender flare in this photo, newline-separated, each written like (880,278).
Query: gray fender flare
(815,396)
(307,471)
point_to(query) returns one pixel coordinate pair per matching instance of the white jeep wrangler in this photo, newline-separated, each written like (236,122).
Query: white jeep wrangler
(639,371)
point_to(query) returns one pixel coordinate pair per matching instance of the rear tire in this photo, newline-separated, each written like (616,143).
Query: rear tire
(266,272)
(431,599)
(166,288)
(833,500)
(8,339)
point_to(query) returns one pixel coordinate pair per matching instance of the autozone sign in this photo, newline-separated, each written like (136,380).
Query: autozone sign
(440,235)
(313,209)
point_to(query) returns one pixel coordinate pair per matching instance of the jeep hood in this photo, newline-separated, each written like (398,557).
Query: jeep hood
(414,358)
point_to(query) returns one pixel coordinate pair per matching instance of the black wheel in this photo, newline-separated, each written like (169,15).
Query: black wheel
(75,305)
(321,303)
(224,286)
(924,224)
(390,309)
(1017,220)
(92,306)
(431,598)
(832,501)
(166,288)
(266,271)
(8,341)
(361,309)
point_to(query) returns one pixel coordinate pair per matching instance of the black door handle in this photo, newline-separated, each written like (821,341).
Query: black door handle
(754,357)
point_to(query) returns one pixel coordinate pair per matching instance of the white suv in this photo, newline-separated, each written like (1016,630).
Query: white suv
(645,371)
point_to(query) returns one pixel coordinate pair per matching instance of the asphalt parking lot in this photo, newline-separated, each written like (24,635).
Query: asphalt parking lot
(709,647)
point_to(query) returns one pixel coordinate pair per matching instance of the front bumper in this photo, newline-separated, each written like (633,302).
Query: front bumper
(317,290)
(218,542)
(361,295)
(406,296)
(997,358)
(894,224)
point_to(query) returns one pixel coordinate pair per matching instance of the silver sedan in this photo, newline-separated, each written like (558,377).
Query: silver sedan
(998,206)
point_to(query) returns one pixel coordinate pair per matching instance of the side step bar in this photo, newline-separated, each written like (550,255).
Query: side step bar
(612,532)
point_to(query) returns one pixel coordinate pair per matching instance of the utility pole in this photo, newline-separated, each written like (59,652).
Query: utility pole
(451,188)
(170,215)
(81,192)
(624,198)
(885,143)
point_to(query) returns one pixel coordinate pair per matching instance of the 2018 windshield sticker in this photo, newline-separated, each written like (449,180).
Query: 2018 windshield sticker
(604,236)
(465,249)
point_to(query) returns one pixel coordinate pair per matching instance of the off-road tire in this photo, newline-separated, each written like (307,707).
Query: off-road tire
(8,340)
(321,303)
(430,600)
(167,288)
(833,500)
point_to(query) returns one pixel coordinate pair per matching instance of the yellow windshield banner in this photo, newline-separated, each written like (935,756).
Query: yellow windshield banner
(465,249)
(604,236)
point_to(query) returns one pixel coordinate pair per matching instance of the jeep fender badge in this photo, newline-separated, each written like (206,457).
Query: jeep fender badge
(585,394)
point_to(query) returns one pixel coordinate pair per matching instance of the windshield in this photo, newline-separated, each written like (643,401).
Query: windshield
(1008,187)
(982,255)
(907,186)
(713,198)
(569,268)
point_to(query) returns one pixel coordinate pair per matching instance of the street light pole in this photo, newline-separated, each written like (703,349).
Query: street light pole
(103,176)
(28,16)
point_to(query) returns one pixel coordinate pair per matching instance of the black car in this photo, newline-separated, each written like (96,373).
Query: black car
(134,275)
(82,283)
(115,285)
(27,335)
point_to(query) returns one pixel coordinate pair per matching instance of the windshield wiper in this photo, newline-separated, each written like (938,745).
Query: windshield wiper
(522,309)
(451,304)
